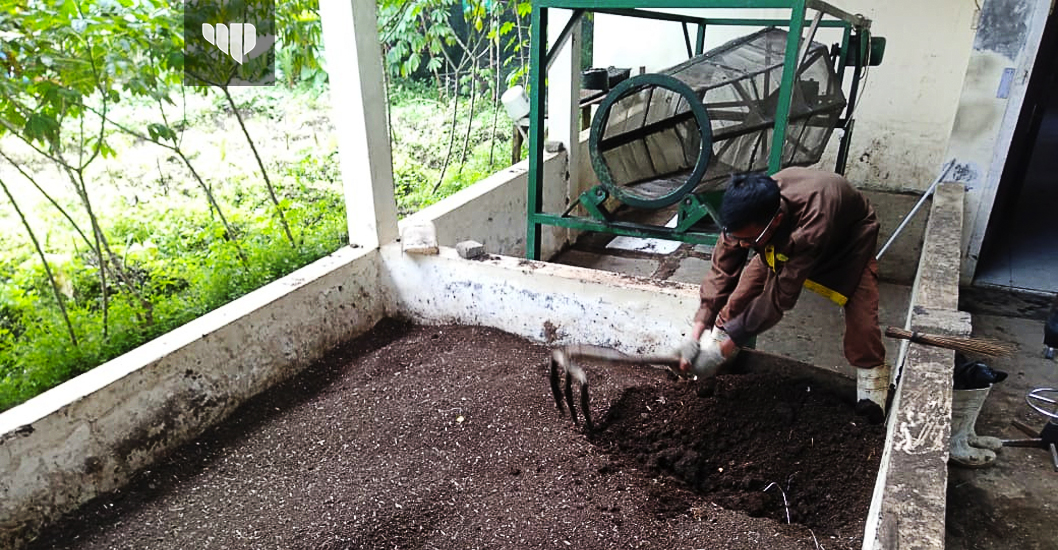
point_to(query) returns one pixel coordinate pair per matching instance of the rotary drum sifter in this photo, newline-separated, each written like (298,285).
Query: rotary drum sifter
(657,137)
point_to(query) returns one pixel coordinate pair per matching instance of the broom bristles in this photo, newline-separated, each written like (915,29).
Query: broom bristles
(980,346)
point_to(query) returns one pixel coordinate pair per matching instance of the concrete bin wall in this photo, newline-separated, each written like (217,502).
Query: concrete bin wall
(907,510)
(91,434)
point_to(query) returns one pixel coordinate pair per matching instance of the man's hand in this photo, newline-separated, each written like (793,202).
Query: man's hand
(705,355)
(709,360)
(688,352)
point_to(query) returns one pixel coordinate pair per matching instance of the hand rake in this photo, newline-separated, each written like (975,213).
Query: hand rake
(562,358)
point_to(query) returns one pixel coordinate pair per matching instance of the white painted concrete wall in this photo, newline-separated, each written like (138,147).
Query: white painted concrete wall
(907,106)
(493,211)
(541,301)
(91,434)
(908,506)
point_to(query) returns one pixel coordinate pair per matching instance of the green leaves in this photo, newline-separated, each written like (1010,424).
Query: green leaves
(42,128)
(69,51)
(414,31)
(159,132)
(300,42)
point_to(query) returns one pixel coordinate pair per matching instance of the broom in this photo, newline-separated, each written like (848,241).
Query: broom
(979,346)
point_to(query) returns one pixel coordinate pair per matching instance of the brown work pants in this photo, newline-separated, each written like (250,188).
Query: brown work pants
(863,336)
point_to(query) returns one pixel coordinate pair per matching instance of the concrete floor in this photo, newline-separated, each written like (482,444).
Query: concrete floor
(1011,505)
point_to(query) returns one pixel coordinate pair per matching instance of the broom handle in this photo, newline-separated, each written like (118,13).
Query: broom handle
(903,334)
(586,351)
(982,346)
(926,195)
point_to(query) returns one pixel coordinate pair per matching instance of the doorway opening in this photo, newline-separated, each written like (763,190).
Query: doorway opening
(1020,250)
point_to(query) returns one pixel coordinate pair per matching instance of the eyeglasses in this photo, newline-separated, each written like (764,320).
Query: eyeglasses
(756,242)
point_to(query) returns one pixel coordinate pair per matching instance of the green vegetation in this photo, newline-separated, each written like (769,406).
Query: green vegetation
(131,205)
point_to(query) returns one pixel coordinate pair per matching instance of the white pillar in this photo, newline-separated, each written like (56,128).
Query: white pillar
(563,91)
(358,103)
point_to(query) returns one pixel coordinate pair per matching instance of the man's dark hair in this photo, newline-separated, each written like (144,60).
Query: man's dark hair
(749,199)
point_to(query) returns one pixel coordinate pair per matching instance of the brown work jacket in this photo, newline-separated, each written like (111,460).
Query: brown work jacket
(828,235)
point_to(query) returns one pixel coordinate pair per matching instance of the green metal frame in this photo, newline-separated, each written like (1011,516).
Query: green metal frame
(693,208)
(630,87)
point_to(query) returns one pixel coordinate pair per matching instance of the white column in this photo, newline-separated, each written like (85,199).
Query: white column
(563,92)
(358,103)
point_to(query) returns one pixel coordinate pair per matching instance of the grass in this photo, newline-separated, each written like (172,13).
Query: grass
(181,260)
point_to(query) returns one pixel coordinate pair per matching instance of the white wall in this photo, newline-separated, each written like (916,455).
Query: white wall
(985,122)
(493,211)
(544,302)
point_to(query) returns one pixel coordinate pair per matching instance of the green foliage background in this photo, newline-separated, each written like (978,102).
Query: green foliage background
(88,277)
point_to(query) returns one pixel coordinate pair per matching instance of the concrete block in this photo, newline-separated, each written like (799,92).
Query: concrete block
(419,238)
(470,249)
(941,321)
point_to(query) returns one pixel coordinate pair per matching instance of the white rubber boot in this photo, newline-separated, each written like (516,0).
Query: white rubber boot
(983,441)
(873,385)
(965,406)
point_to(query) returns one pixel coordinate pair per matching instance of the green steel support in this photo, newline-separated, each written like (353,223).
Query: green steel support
(602,5)
(593,200)
(627,229)
(563,36)
(687,40)
(856,20)
(611,9)
(741,22)
(616,9)
(789,73)
(844,142)
(843,55)
(538,38)
(597,5)
(864,37)
(693,208)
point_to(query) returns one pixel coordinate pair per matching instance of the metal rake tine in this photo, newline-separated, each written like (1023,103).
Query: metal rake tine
(569,396)
(556,390)
(587,410)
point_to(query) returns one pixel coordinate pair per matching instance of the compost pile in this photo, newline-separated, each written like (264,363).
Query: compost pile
(770,446)
(447,437)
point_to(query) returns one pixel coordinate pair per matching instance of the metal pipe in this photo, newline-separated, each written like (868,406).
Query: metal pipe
(687,39)
(563,36)
(944,174)
(789,74)
(858,20)
(807,44)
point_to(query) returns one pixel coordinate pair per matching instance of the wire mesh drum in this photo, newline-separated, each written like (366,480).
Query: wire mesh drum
(657,137)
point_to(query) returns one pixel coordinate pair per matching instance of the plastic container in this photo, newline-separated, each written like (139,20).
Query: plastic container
(516,103)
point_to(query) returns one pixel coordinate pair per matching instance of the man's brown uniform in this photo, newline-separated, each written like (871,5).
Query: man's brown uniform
(826,243)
